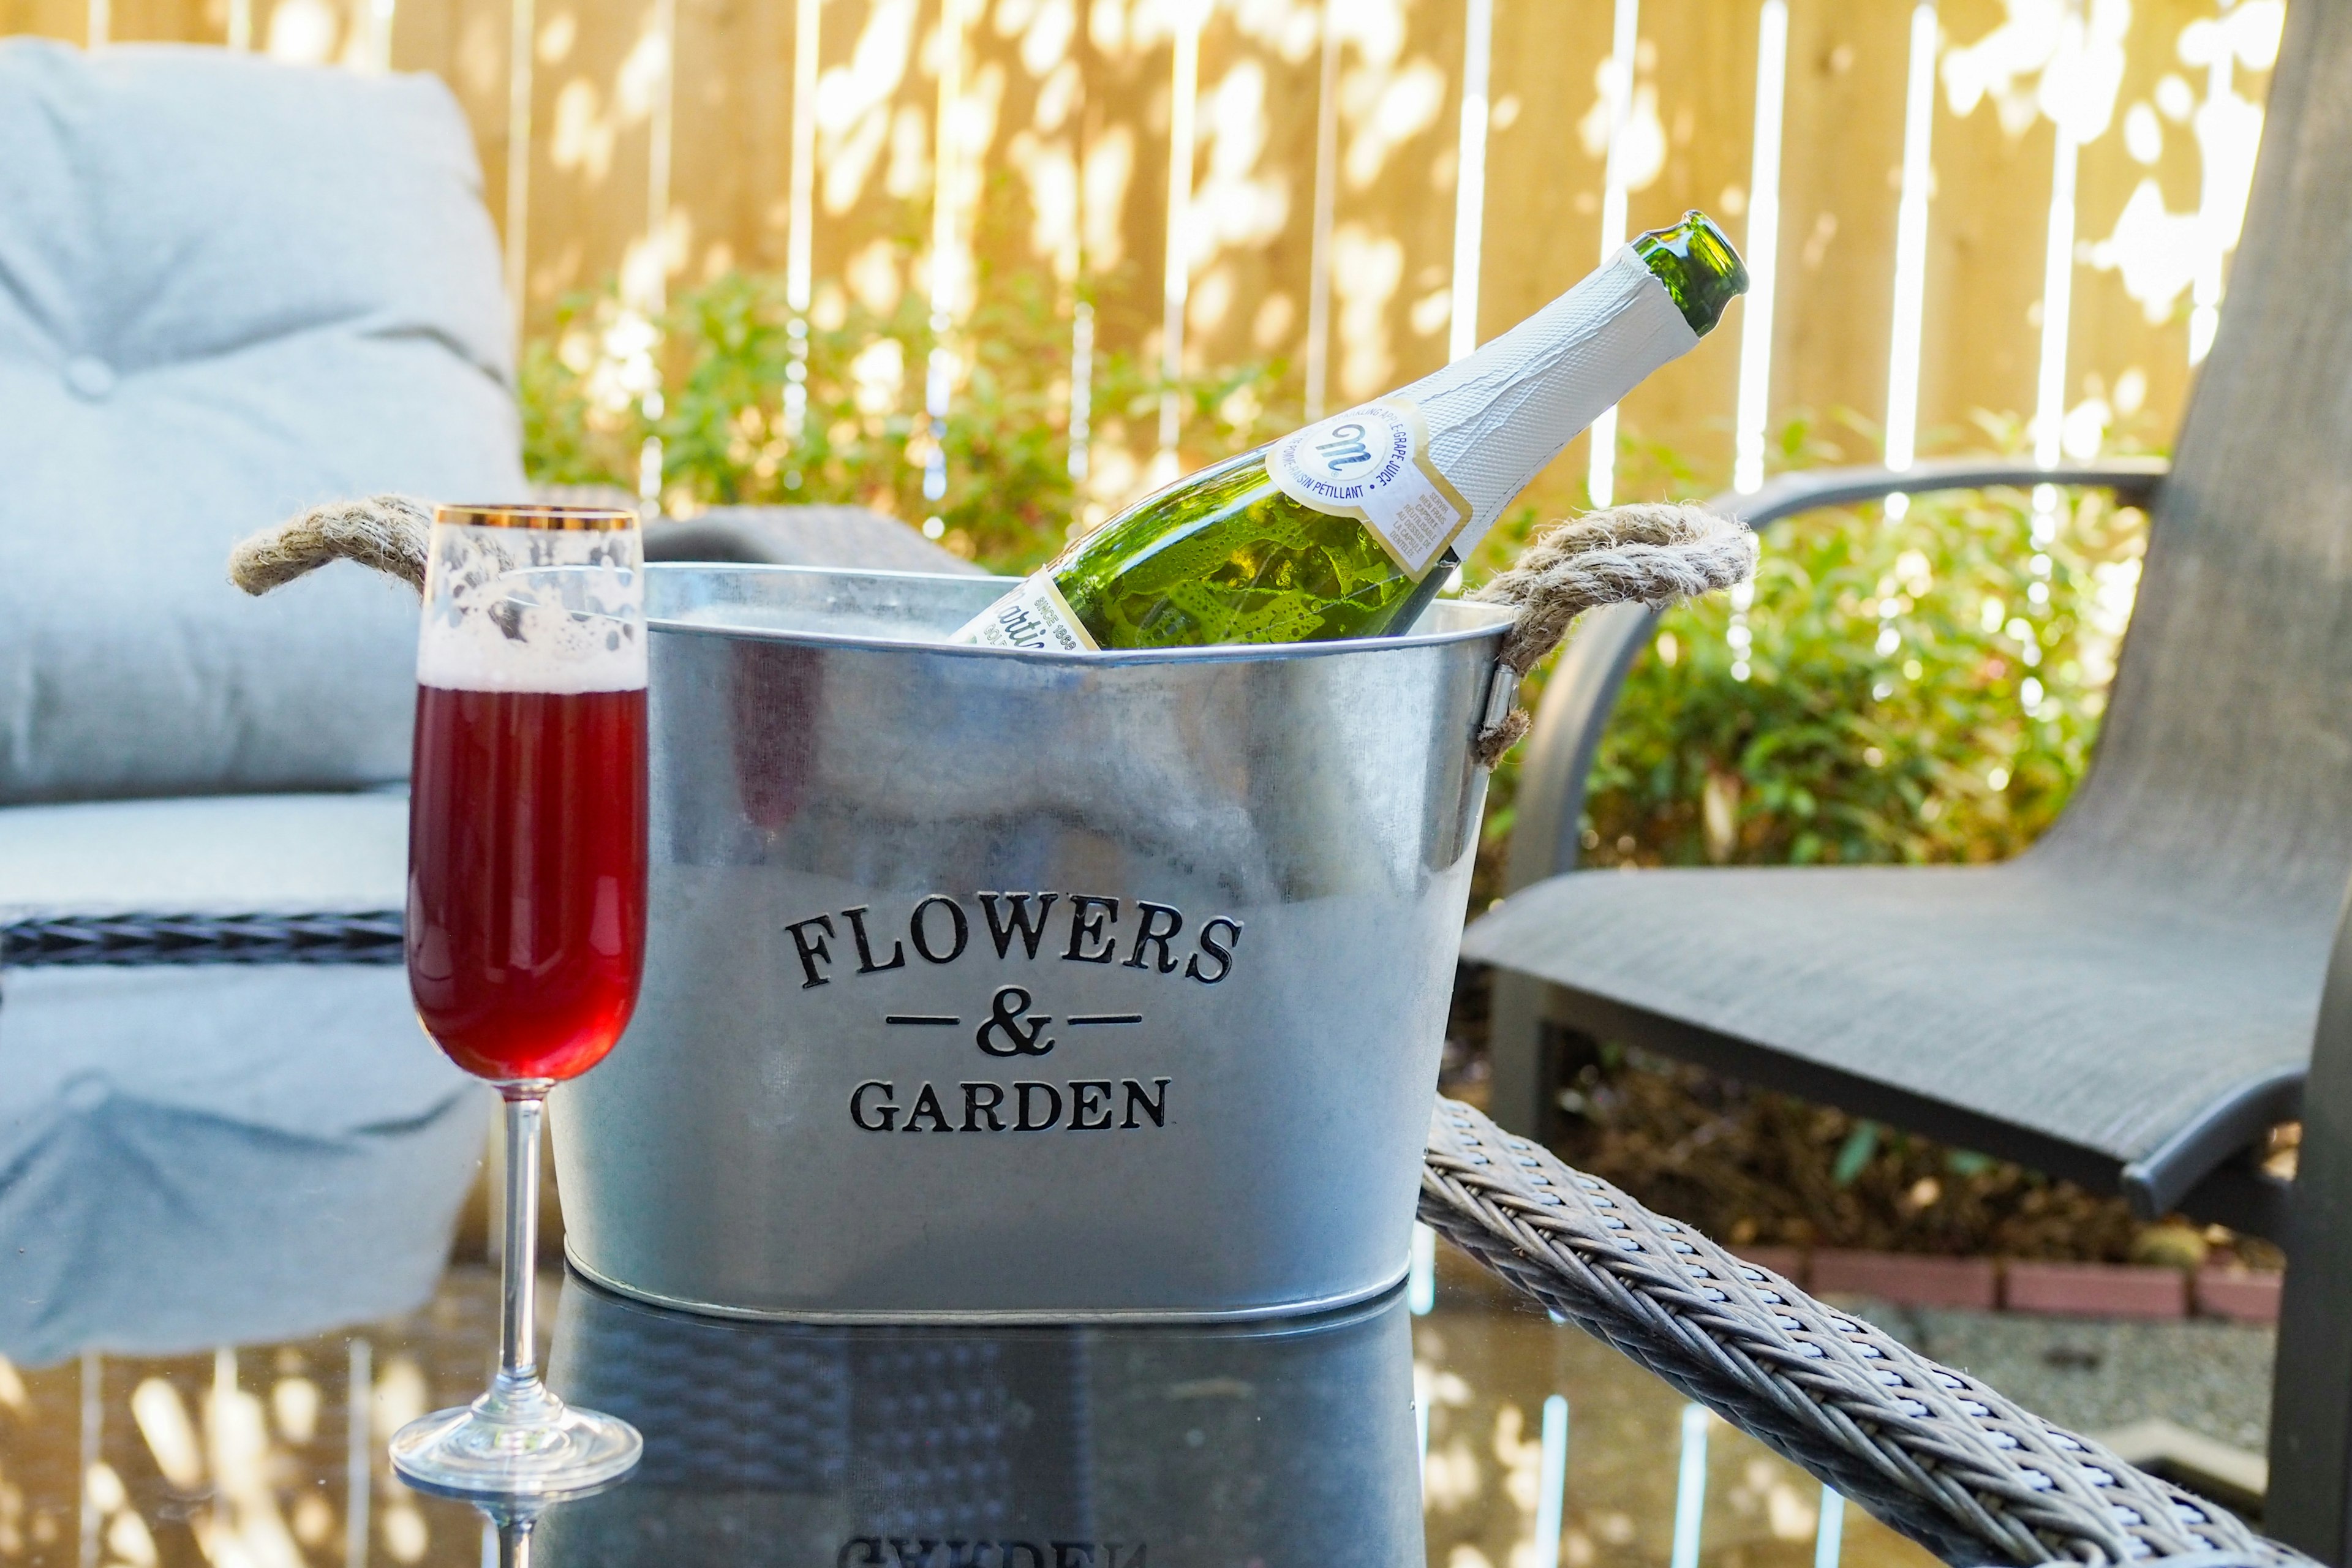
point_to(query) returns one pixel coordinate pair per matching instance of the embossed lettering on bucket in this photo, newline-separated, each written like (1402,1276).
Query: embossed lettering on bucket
(992,984)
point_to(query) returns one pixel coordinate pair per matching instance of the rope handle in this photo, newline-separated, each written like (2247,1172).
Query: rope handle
(1653,551)
(391,534)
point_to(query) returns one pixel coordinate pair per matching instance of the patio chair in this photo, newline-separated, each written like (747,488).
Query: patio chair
(2136,1002)
(229,289)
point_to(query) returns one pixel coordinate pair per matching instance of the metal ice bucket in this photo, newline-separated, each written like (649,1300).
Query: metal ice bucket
(993,985)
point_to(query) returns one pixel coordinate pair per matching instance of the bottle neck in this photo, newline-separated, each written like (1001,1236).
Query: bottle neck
(1698,267)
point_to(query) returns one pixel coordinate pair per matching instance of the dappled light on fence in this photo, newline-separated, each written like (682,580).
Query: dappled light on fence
(2023,206)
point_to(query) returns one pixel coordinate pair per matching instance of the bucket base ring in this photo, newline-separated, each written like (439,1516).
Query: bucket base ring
(985,1316)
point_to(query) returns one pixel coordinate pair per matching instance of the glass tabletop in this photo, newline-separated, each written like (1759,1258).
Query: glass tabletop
(1444,1423)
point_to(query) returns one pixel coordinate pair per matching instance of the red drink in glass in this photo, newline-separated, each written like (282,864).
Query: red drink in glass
(526,906)
(527,876)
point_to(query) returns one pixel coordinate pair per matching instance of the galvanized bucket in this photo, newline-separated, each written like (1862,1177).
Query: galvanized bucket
(993,985)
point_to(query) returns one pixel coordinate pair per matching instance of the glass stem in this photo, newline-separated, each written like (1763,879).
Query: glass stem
(514,1542)
(518,1331)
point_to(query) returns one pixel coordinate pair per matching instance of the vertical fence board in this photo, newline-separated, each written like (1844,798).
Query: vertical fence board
(1393,250)
(877,92)
(67,20)
(591,103)
(1015,50)
(463,42)
(1981,345)
(1543,185)
(1254,191)
(2112,334)
(1843,151)
(1706,80)
(1124,153)
(730,145)
(169,21)
(1134,66)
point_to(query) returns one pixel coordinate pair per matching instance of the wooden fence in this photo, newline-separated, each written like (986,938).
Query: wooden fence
(2021,206)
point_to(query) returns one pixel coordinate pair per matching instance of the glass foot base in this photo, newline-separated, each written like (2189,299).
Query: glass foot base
(516,1442)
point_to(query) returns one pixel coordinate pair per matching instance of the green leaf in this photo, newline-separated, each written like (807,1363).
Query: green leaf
(1854,1153)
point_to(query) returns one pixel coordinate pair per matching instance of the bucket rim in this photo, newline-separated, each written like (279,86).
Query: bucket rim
(1490,629)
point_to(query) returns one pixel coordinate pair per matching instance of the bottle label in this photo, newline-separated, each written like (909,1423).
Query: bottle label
(1372,464)
(1034,616)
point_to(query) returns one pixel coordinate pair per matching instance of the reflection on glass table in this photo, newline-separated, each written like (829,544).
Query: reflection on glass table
(1275,1442)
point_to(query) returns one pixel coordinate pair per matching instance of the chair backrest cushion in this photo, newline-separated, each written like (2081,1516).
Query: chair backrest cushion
(229,289)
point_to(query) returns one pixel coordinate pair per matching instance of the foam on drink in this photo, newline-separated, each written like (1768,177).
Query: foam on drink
(527,609)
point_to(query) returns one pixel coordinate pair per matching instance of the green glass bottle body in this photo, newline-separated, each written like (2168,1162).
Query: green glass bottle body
(1227,554)
(1224,556)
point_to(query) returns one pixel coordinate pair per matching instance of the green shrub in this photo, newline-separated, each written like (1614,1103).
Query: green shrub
(723,352)
(1919,689)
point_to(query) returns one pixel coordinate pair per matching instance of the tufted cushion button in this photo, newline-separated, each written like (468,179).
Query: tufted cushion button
(86,1092)
(89,378)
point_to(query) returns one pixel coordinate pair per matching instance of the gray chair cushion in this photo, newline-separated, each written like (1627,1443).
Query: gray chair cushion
(2098,1014)
(229,289)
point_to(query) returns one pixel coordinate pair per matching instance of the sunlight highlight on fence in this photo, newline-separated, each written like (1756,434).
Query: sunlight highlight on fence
(359,1451)
(1911,251)
(1470,183)
(1690,1488)
(380,14)
(948,259)
(1763,254)
(1551,1482)
(521,32)
(1600,481)
(1326,195)
(800,210)
(1184,92)
(2078,112)
(92,1427)
(1828,1535)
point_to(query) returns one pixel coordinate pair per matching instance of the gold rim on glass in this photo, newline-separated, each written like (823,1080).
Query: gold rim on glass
(533,514)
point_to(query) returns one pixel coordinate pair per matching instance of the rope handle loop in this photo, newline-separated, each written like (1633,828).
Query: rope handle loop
(389,532)
(1655,553)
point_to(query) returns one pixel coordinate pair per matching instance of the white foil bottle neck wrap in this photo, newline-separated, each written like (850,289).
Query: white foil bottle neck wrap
(525,609)
(1498,416)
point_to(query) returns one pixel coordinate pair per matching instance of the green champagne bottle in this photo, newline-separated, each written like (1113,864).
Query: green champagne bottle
(1349,527)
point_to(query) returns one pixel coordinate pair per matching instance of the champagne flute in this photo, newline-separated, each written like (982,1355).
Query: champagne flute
(527,903)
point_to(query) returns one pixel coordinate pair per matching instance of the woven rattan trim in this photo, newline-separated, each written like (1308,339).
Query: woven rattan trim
(1931,1451)
(372,937)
